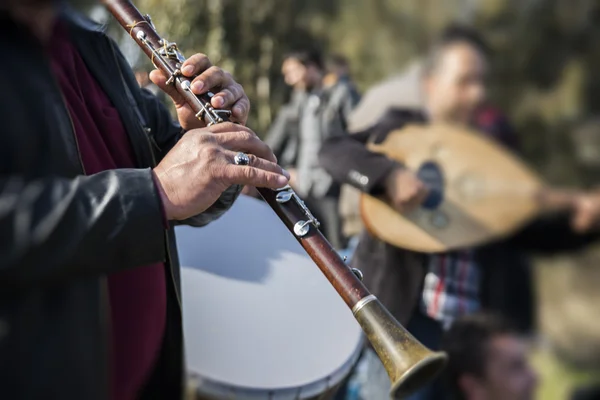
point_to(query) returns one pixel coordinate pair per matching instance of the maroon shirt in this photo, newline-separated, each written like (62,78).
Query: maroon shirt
(138,295)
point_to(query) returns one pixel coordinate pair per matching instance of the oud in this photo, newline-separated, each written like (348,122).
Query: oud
(478,191)
(408,363)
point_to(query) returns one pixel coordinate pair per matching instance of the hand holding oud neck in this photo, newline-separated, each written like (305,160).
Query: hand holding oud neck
(584,206)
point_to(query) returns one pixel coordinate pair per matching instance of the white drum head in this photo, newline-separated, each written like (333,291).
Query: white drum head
(260,319)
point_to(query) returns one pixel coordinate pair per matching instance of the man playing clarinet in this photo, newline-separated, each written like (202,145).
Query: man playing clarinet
(94,174)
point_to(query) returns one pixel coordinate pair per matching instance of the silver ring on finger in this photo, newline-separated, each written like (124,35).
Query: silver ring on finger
(241,159)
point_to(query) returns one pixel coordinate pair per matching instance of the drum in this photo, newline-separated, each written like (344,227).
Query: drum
(260,319)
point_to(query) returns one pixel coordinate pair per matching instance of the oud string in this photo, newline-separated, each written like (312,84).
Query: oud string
(497,187)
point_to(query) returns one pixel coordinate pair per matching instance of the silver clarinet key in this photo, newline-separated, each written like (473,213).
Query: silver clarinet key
(301,228)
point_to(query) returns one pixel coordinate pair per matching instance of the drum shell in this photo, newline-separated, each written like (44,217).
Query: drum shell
(193,393)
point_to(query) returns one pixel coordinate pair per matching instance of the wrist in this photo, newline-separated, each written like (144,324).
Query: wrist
(167,207)
(390,181)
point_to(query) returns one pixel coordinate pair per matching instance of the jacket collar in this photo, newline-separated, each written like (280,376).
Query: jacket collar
(79,20)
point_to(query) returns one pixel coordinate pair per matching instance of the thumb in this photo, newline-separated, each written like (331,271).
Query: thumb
(159,78)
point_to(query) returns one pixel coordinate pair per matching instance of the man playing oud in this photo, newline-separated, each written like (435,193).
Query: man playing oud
(94,174)
(426,292)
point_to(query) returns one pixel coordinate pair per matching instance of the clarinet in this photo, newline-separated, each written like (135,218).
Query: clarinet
(408,363)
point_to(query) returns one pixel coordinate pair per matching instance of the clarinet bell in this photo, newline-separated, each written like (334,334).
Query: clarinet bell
(409,364)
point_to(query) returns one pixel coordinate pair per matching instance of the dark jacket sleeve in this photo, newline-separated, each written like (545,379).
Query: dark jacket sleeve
(164,132)
(55,228)
(552,234)
(346,158)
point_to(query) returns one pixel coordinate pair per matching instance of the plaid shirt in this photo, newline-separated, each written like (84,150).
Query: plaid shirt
(451,287)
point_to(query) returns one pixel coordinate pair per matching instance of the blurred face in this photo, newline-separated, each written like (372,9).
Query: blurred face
(508,375)
(298,75)
(294,72)
(341,70)
(457,86)
(142,78)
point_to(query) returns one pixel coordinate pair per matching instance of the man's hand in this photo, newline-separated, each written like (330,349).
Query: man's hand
(586,212)
(404,190)
(228,94)
(200,167)
(252,192)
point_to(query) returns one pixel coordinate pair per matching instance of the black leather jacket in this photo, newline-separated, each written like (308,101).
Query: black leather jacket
(62,232)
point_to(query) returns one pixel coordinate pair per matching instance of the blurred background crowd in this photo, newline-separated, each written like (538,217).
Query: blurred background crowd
(544,88)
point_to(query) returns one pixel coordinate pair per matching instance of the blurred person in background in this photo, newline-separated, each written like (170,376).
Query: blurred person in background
(143,79)
(426,292)
(487,360)
(283,135)
(89,276)
(338,70)
(515,277)
(316,114)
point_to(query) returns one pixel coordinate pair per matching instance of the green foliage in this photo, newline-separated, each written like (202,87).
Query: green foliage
(557,380)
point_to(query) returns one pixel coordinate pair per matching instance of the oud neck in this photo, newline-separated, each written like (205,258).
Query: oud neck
(552,200)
